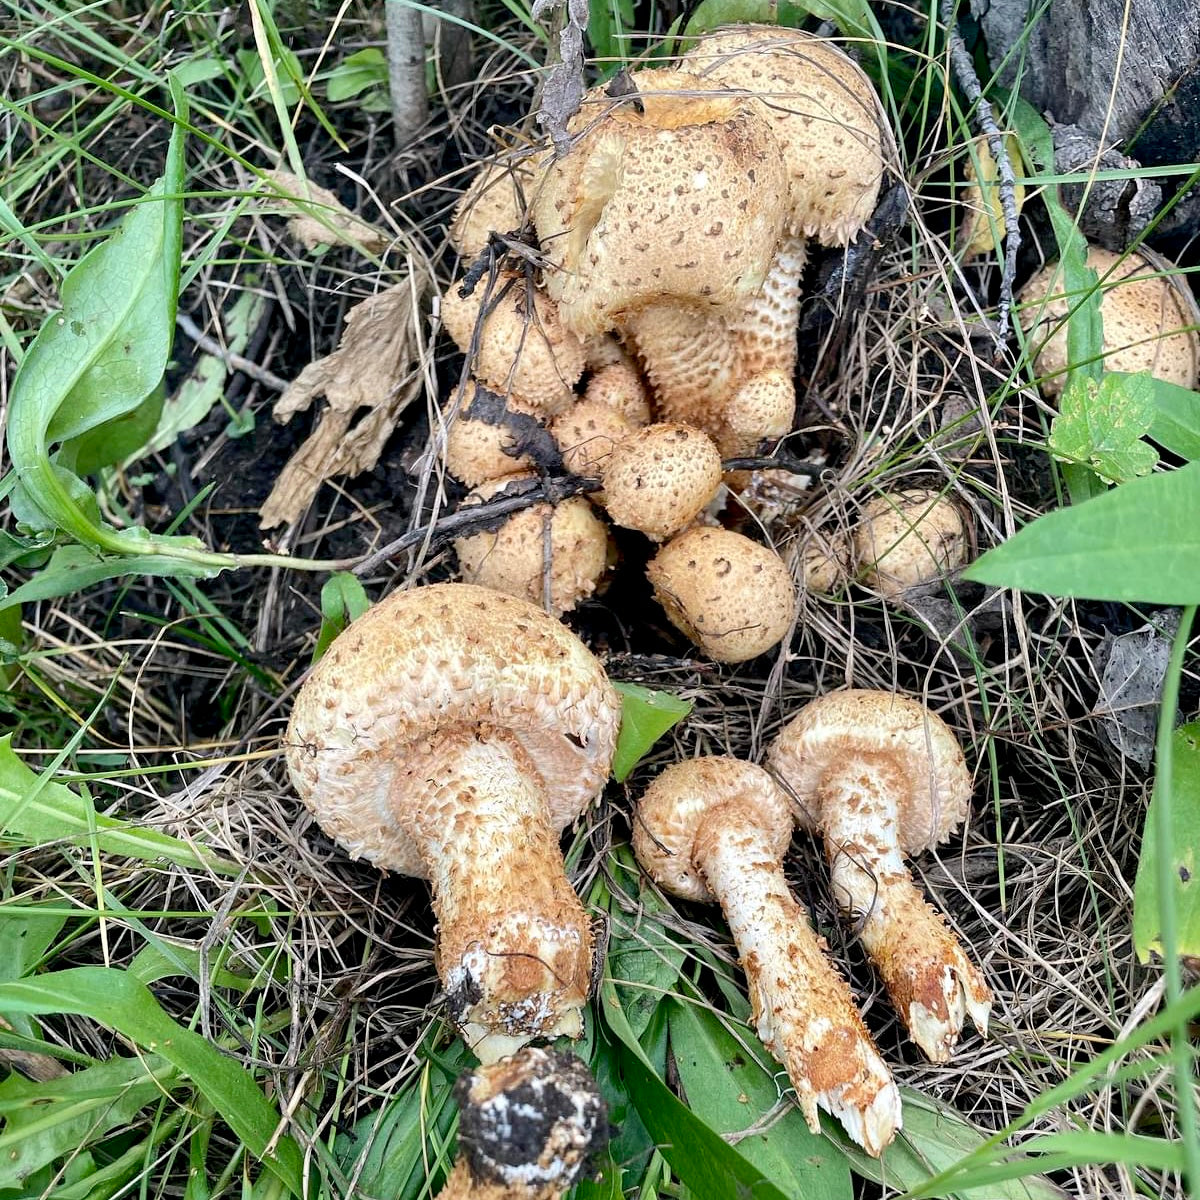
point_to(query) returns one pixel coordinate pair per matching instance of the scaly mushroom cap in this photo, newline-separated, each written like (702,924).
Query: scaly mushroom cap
(619,386)
(1148,324)
(440,658)
(823,111)
(732,597)
(908,538)
(530,356)
(762,408)
(679,197)
(660,478)
(477,451)
(494,201)
(587,434)
(512,559)
(917,748)
(681,797)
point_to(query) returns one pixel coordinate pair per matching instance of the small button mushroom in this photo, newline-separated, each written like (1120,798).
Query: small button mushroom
(552,552)
(1149,323)
(660,478)
(452,733)
(516,343)
(882,777)
(822,561)
(761,409)
(493,202)
(620,386)
(734,598)
(587,434)
(716,830)
(478,450)
(527,1128)
(906,539)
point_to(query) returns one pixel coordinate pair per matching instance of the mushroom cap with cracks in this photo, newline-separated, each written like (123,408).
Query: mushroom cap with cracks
(734,598)
(908,538)
(1149,320)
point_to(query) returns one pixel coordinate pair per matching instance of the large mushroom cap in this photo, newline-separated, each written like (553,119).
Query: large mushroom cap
(1149,324)
(441,658)
(923,759)
(677,194)
(823,111)
(684,795)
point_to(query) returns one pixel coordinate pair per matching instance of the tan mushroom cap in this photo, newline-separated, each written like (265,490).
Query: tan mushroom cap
(523,348)
(922,757)
(1149,325)
(440,658)
(477,451)
(619,386)
(762,408)
(587,434)
(681,798)
(494,201)
(908,538)
(512,559)
(660,478)
(679,197)
(734,598)
(823,111)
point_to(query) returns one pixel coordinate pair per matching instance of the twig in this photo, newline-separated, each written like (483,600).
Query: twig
(774,462)
(562,85)
(235,362)
(968,81)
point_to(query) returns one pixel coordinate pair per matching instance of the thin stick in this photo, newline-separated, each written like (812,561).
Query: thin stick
(235,362)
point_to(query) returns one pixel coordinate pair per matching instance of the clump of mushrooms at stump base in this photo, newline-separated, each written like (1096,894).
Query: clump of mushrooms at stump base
(452,733)
(882,777)
(527,1128)
(716,829)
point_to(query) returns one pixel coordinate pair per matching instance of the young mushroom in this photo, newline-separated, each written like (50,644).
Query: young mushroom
(734,598)
(452,733)
(882,777)
(716,829)
(527,1127)
(906,539)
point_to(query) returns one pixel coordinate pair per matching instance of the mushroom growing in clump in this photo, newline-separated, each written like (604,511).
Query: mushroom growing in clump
(882,777)
(527,1128)
(716,829)
(452,733)
(734,598)
(587,434)
(1149,322)
(906,539)
(552,552)
(477,450)
(493,202)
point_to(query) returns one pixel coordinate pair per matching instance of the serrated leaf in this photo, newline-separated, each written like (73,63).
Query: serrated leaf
(1138,542)
(1100,425)
(356,73)
(1183,870)
(646,715)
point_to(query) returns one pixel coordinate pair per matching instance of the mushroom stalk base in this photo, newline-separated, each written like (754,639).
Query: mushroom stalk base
(514,944)
(931,981)
(803,1010)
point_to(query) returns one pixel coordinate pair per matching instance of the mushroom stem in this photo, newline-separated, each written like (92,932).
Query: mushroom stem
(802,1009)
(514,944)
(765,331)
(933,984)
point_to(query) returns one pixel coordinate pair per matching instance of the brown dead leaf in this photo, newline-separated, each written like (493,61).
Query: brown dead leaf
(375,368)
(336,224)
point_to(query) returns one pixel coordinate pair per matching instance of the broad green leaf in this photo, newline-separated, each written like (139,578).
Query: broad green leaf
(287,71)
(35,810)
(1138,542)
(1183,869)
(852,17)
(646,715)
(1176,425)
(44,1122)
(1100,425)
(343,599)
(163,959)
(730,1085)
(199,70)
(25,936)
(356,73)
(118,1001)
(115,440)
(609,24)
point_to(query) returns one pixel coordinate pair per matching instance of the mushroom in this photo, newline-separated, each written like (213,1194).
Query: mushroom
(527,1127)
(660,478)
(619,386)
(732,597)
(516,343)
(478,450)
(716,829)
(493,202)
(882,777)
(588,433)
(906,539)
(452,733)
(1149,322)
(552,552)
(762,408)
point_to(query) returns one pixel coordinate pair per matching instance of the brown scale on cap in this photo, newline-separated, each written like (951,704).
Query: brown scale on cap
(477,451)
(732,597)
(1149,325)
(716,830)
(514,558)
(882,777)
(521,347)
(452,733)
(906,539)
(660,478)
